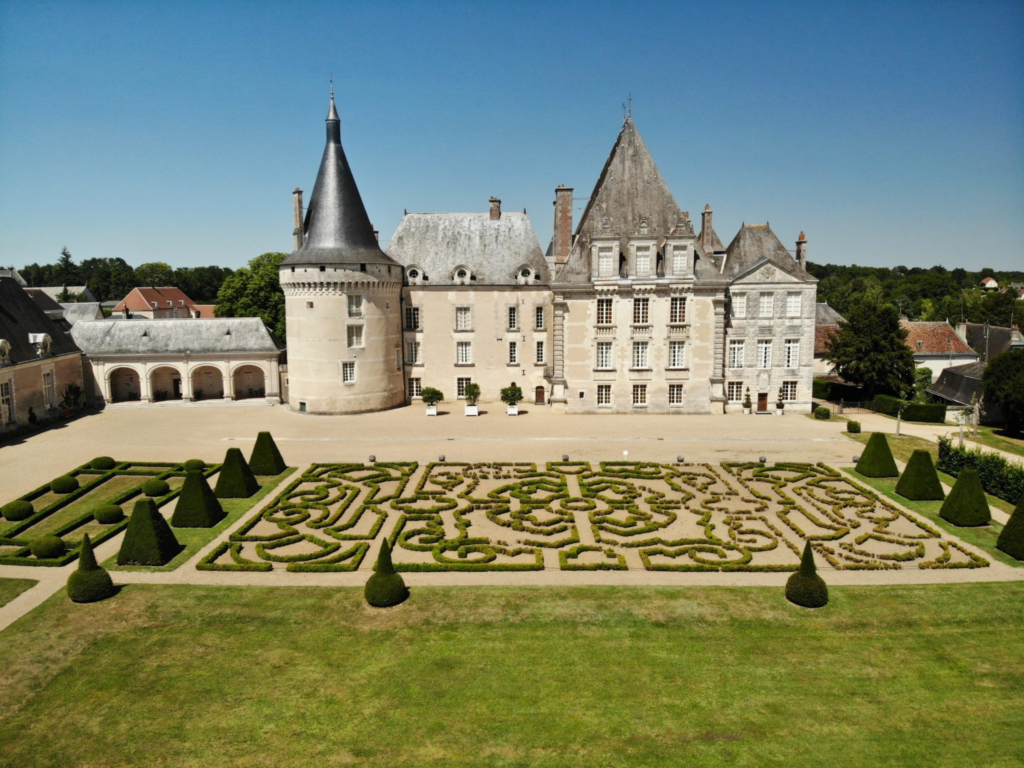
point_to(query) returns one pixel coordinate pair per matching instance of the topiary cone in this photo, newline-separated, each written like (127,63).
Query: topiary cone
(385,588)
(1011,540)
(966,504)
(805,587)
(877,460)
(920,481)
(235,480)
(148,540)
(90,582)
(197,505)
(265,458)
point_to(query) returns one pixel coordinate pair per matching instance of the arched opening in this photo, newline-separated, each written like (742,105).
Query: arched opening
(165,383)
(249,382)
(207,383)
(125,385)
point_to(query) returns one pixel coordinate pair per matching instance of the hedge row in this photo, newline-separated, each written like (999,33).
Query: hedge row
(929,413)
(823,389)
(1000,477)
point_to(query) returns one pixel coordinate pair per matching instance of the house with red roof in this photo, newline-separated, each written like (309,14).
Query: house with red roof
(937,346)
(159,304)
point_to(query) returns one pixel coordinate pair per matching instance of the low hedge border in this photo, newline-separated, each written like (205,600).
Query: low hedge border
(566,555)
(999,476)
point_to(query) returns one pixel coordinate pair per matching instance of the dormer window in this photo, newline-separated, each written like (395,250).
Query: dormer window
(155,305)
(524,276)
(643,261)
(414,275)
(461,276)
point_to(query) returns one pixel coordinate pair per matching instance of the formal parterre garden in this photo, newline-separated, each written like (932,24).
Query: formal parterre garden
(578,516)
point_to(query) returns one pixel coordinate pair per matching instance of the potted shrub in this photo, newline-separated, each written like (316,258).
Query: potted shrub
(747,405)
(780,404)
(472,395)
(431,397)
(71,400)
(511,396)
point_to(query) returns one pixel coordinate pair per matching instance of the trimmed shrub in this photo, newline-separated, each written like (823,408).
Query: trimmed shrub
(821,389)
(103,462)
(822,413)
(1011,540)
(853,427)
(877,460)
(805,587)
(155,487)
(90,582)
(149,540)
(929,413)
(193,464)
(385,588)
(966,504)
(197,505)
(47,547)
(18,510)
(999,476)
(64,484)
(235,480)
(265,458)
(108,514)
(920,481)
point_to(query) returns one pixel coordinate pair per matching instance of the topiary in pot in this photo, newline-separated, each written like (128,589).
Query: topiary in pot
(64,484)
(805,587)
(877,460)
(920,481)
(194,464)
(48,547)
(108,514)
(385,588)
(148,540)
(966,504)
(102,462)
(1011,540)
(235,480)
(18,510)
(90,582)
(197,505)
(266,459)
(155,487)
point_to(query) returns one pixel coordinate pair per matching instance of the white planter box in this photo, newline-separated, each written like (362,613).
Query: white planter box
(472,410)
(780,412)
(746,410)
(432,410)
(513,410)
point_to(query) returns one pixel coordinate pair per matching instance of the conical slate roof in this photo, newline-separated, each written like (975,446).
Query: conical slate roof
(337,229)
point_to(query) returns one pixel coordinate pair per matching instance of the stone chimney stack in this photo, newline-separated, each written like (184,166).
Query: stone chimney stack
(563,223)
(801,251)
(297,232)
(705,230)
(495,209)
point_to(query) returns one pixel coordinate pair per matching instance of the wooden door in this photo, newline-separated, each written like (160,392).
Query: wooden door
(539,396)
(762,402)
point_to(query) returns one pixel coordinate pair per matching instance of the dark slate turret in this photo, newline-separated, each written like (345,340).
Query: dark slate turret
(337,230)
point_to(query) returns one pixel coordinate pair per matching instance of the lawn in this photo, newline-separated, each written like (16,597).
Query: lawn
(994,437)
(11,588)
(184,675)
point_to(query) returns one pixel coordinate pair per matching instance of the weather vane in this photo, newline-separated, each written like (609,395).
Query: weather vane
(627,107)
(332,85)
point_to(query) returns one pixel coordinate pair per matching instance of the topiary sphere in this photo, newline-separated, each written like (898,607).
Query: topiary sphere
(64,484)
(384,591)
(102,462)
(47,547)
(18,510)
(809,591)
(194,464)
(90,586)
(155,487)
(108,514)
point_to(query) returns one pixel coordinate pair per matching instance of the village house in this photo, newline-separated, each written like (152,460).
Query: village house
(160,304)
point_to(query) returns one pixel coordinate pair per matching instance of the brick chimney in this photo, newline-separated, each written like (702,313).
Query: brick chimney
(705,230)
(563,223)
(801,251)
(495,209)
(297,232)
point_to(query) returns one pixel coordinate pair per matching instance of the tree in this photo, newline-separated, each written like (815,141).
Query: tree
(154,274)
(1003,385)
(997,308)
(66,265)
(255,291)
(870,349)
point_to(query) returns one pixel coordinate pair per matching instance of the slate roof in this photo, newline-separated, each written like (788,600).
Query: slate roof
(999,339)
(959,383)
(825,315)
(934,338)
(20,316)
(55,291)
(45,302)
(755,243)
(222,335)
(493,251)
(143,299)
(86,310)
(13,273)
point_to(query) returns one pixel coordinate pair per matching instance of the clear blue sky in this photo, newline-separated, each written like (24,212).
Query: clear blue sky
(893,133)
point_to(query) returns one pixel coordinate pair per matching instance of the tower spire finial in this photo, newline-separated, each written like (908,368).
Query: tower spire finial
(332,86)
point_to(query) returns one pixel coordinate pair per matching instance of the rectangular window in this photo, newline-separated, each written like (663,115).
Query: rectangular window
(604,311)
(767,306)
(48,392)
(540,352)
(639,395)
(348,372)
(463,319)
(412,318)
(604,262)
(355,335)
(734,391)
(736,354)
(398,358)
(415,387)
(513,318)
(641,358)
(789,391)
(6,402)
(764,353)
(513,353)
(675,394)
(677,312)
(643,260)
(678,260)
(464,353)
(412,353)
(792,305)
(792,353)
(677,354)
(538,318)
(604,394)
(355,306)
(641,313)
(460,386)
(604,355)
(739,305)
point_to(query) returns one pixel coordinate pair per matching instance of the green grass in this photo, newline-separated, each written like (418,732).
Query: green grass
(994,437)
(194,539)
(191,676)
(11,588)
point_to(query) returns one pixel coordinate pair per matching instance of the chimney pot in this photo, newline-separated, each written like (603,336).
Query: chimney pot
(495,209)
(563,223)
(801,251)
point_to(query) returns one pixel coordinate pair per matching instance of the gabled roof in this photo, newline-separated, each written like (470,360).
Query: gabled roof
(56,291)
(45,302)
(992,340)
(825,315)
(222,335)
(20,316)
(959,383)
(493,251)
(755,243)
(143,299)
(337,229)
(86,310)
(934,338)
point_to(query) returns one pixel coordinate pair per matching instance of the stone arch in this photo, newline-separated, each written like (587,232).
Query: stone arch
(165,382)
(123,384)
(207,382)
(249,380)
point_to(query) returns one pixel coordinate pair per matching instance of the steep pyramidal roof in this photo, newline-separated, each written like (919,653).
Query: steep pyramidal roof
(757,242)
(337,229)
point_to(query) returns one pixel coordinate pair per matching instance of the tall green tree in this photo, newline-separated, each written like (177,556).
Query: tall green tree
(67,268)
(255,291)
(108,279)
(870,349)
(1003,385)
(155,274)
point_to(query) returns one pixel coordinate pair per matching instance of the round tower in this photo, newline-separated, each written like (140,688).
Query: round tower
(342,300)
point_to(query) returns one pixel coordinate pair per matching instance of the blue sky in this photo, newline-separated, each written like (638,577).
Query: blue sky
(892,133)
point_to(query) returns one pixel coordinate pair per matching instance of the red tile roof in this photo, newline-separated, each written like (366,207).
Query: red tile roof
(934,339)
(821,334)
(143,299)
(205,310)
